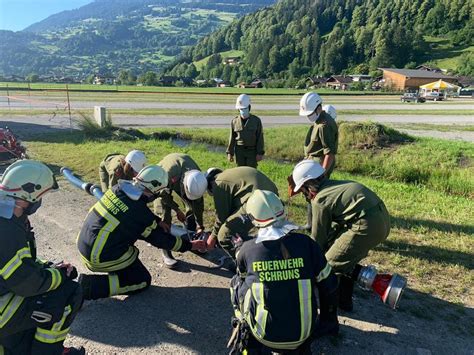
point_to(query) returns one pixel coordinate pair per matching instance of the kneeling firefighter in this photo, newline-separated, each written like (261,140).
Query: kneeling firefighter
(187,181)
(230,190)
(273,291)
(348,220)
(38,300)
(113,225)
(117,167)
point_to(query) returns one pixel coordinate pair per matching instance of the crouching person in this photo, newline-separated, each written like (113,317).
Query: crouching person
(273,292)
(38,300)
(110,230)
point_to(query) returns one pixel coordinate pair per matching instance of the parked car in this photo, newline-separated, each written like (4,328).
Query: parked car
(412,97)
(434,96)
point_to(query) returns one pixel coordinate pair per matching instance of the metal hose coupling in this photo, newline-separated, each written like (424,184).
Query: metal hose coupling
(389,287)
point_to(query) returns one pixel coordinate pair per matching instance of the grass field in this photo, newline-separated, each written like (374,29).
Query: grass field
(189,90)
(444,54)
(441,165)
(228,113)
(431,240)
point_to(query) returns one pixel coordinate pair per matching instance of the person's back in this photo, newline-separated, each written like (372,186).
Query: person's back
(238,183)
(279,285)
(111,170)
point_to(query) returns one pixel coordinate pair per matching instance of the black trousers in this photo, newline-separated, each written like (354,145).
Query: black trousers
(42,322)
(130,280)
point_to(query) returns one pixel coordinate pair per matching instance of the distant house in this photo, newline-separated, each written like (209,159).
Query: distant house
(103,80)
(316,81)
(339,82)
(65,80)
(429,68)
(187,81)
(256,83)
(231,60)
(168,80)
(360,78)
(217,81)
(404,79)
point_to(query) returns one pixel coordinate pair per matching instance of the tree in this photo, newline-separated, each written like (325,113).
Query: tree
(149,79)
(191,71)
(32,78)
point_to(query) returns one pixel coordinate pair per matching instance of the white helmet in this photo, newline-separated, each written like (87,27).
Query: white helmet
(264,208)
(243,101)
(309,102)
(152,177)
(136,159)
(195,184)
(330,110)
(306,170)
(28,180)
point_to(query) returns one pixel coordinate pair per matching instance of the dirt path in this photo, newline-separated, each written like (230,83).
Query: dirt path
(188,311)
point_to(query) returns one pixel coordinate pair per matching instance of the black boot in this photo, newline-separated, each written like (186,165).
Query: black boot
(94,286)
(328,323)
(345,290)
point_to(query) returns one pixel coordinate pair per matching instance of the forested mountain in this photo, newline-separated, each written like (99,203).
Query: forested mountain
(109,35)
(296,38)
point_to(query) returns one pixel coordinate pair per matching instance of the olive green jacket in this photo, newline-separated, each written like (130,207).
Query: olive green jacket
(321,138)
(111,171)
(247,133)
(341,202)
(233,187)
(176,165)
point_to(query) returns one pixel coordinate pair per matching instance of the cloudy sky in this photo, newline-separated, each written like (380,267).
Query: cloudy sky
(15,15)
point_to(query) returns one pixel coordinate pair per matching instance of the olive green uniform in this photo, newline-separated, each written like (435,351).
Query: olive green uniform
(348,221)
(231,190)
(111,171)
(321,140)
(176,165)
(246,140)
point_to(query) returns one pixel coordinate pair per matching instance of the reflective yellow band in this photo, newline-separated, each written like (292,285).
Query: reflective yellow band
(115,289)
(104,232)
(146,233)
(5,300)
(14,263)
(11,308)
(57,326)
(177,244)
(56,278)
(324,273)
(2,352)
(127,259)
(51,336)
(261,313)
(305,290)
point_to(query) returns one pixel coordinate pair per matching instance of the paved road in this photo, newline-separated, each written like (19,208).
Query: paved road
(366,103)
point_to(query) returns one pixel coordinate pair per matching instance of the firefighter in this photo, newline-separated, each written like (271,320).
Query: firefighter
(348,221)
(230,190)
(38,300)
(116,166)
(321,140)
(273,291)
(246,135)
(187,181)
(111,228)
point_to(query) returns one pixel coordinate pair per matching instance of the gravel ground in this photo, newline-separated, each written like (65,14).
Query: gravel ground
(188,311)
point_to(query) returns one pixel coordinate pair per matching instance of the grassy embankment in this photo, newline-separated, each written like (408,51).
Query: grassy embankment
(372,150)
(431,240)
